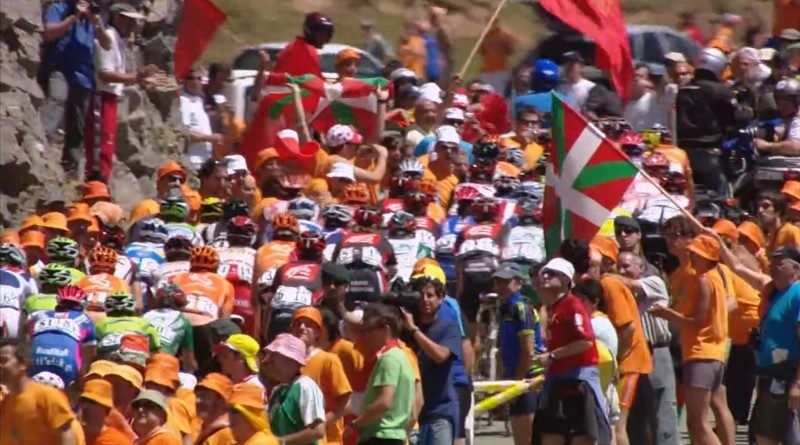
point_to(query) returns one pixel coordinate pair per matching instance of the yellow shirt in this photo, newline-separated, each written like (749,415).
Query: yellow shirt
(220,437)
(35,415)
(745,317)
(788,235)
(262,438)
(709,341)
(412,54)
(445,181)
(327,371)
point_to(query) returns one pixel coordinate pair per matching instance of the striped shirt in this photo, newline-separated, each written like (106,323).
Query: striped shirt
(656,330)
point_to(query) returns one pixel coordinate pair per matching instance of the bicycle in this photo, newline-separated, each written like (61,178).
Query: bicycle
(486,355)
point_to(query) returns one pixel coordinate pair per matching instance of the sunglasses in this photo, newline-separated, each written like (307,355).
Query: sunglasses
(175,178)
(194,78)
(453,122)
(626,230)
(529,122)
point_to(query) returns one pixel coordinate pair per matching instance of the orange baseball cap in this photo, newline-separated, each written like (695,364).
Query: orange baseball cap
(310,313)
(33,238)
(726,228)
(705,246)
(95,190)
(753,232)
(10,237)
(249,395)
(606,247)
(32,222)
(56,221)
(347,54)
(79,211)
(99,391)
(148,207)
(169,168)
(791,189)
(218,383)
(264,156)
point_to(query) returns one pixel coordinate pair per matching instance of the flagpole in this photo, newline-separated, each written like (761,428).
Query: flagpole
(480,39)
(300,112)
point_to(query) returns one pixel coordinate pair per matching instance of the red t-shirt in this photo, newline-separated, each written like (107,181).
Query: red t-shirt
(570,321)
(298,58)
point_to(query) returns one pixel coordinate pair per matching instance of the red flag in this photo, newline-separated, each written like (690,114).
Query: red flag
(602,21)
(199,21)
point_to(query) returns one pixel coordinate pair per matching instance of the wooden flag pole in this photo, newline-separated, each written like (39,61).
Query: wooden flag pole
(300,112)
(480,39)
(657,185)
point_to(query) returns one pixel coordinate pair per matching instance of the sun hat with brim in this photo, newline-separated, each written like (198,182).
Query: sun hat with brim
(162,374)
(223,328)
(148,207)
(100,368)
(288,146)
(127,373)
(447,134)
(79,211)
(247,394)
(32,238)
(152,397)
(791,189)
(790,34)
(454,113)
(290,347)
(705,247)
(245,345)
(342,170)
(95,190)
(795,206)
(55,220)
(236,164)
(99,391)
(32,222)
(263,156)
(310,313)
(561,266)
(753,232)
(170,167)
(218,383)
(726,228)
(605,246)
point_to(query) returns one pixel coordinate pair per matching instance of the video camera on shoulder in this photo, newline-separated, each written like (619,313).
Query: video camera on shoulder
(402,295)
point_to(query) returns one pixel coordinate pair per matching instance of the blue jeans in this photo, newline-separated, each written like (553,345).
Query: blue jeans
(436,432)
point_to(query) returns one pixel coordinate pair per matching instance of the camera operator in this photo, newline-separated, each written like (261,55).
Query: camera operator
(438,344)
(752,90)
(706,110)
(787,98)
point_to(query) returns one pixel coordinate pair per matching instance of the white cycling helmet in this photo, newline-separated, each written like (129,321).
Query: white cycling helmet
(411,166)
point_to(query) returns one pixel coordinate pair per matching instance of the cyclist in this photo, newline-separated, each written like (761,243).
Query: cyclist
(64,252)
(147,250)
(523,243)
(407,247)
(52,278)
(236,265)
(209,297)
(354,196)
(297,283)
(174,330)
(174,211)
(114,237)
(307,213)
(210,214)
(477,253)
(177,251)
(16,285)
(101,282)
(63,339)
(335,218)
(419,202)
(367,255)
(277,252)
(120,320)
(216,234)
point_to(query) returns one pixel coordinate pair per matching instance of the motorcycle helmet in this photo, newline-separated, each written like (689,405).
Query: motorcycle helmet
(317,23)
(12,255)
(62,250)
(545,76)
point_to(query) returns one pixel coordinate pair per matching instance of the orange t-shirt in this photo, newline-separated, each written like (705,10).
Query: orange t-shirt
(412,54)
(787,15)
(208,296)
(111,436)
(788,235)
(495,50)
(326,369)
(35,415)
(180,414)
(97,288)
(162,436)
(622,310)
(532,152)
(710,341)
(272,255)
(352,360)
(445,181)
(262,438)
(745,317)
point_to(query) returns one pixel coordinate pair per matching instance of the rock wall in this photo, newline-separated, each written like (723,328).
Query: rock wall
(149,119)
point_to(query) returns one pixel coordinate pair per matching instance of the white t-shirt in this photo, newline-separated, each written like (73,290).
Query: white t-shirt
(576,93)
(650,109)
(794,128)
(604,331)
(194,116)
(111,60)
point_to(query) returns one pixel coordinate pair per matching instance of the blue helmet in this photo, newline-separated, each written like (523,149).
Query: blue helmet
(545,75)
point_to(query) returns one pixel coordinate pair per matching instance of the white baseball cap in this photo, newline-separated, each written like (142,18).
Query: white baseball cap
(562,266)
(342,170)
(447,133)
(339,135)
(236,164)
(454,114)
(430,91)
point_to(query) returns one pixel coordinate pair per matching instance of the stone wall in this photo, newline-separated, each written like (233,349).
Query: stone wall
(149,119)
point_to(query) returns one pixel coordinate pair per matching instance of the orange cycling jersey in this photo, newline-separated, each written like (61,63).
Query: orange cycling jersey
(209,296)
(270,257)
(97,288)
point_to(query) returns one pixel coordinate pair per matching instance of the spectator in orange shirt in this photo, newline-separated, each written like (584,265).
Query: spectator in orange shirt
(702,313)
(496,48)
(94,406)
(213,394)
(150,418)
(411,51)
(779,233)
(248,417)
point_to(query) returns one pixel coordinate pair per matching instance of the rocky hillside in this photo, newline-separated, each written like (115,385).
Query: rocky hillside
(148,119)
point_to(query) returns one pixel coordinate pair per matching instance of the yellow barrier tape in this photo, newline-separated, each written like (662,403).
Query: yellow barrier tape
(507,395)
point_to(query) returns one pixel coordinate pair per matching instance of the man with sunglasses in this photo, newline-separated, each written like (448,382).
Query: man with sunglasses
(439,164)
(629,238)
(528,133)
(200,138)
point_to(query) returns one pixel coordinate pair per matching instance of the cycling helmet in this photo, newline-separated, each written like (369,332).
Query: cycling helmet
(529,190)
(55,275)
(241,227)
(12,255)
(311,242)
(788,88)
(120,301)
(484,208)
(402,184)
(337,212)
(171,295)
(303,208)
(482,172)
(204,257)
(411,167)
(515,156)
(112,237)
(49,379)
(178,243)
(545,75)
(285,222)
(675,183)
(174,207)
(211,209)
(416,198)
(402,221)
(505,184)
(355,194)
(71,293)
(102,257)
(486,151)
(468,192)
(632,143)
(528,209)
(62,249)
(153,230)
(367,217)
(656,164)
(235,207)
(295,182)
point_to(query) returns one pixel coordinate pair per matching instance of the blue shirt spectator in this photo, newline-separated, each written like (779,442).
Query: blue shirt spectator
(516,321)
(433,64)
(72,54)
(438,388)
(779,327)
(452,311)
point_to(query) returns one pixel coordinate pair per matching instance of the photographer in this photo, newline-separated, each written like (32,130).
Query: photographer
(438,344)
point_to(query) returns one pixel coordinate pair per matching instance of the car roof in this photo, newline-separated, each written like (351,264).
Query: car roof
(329,48)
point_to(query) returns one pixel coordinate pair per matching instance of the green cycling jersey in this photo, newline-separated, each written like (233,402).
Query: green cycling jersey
(39,302)
(174,330)
(110,330)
